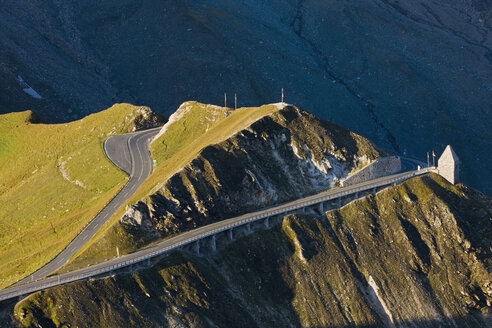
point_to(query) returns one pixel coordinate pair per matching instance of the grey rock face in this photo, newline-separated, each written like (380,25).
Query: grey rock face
(146,119)
(281,157)
(137,216)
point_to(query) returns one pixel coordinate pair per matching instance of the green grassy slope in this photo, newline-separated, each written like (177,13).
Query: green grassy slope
(40,209)
(200,125)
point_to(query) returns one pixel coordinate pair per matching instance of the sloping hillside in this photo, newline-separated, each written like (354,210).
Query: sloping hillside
(54,178)
(415,255)
(283,156)
(190,129)
(411,75)
(215,164)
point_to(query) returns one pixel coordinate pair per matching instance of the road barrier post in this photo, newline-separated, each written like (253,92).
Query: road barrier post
(229,234)
(213,243)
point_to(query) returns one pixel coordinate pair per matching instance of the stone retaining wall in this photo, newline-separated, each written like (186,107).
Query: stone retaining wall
(381,167)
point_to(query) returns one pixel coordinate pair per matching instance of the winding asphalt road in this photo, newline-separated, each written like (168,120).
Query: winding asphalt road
(130,153)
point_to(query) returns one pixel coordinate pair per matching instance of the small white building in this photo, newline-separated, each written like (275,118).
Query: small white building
(448,165)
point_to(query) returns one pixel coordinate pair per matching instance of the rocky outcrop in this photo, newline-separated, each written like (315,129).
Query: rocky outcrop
(283,156)
(145,118)
(136,216)
(414,255)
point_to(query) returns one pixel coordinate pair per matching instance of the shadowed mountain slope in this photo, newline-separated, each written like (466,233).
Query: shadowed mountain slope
(414,255)
(411,76)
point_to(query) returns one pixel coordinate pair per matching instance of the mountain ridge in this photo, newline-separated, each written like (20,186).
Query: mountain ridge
(277,153)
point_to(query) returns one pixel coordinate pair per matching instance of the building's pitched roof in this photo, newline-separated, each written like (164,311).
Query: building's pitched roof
(449,152)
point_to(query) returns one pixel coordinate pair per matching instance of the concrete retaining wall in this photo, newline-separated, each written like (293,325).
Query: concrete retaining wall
(381,167)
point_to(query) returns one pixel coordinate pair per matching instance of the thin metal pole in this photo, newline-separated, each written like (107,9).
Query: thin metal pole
(225,99)
(282,95)
(235,101)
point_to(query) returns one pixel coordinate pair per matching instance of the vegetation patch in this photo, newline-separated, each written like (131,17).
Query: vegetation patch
(198,126)
(214,163)
(54,179)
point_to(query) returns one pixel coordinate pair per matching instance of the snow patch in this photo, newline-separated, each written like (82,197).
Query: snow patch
(30,91)
(27,88)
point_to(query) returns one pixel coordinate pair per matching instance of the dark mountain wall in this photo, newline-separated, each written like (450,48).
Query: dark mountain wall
(411,76)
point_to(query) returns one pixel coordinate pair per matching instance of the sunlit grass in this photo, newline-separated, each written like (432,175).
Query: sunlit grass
(41,211)
(201,126)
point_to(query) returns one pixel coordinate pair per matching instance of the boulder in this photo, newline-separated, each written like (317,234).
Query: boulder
(137,216)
